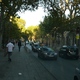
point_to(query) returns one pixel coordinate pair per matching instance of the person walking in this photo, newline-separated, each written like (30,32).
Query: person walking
(10,48)
(19,45)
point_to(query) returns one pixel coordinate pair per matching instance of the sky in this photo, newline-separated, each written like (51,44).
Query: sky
(33,18)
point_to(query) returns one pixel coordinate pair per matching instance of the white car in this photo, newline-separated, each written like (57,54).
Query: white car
(77,73)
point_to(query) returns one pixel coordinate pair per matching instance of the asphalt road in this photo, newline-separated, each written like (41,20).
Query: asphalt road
(24,66)
(62,69)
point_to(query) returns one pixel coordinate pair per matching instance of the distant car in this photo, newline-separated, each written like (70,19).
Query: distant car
(70,52)
(35,47)
(77,73)
(45,52)
(27,42)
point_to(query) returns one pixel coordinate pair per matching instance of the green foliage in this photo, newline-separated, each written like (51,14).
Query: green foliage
(20,23)
(12,31)
(13,6)
(33,31)
(56,21)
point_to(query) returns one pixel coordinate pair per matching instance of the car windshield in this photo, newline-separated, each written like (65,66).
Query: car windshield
(36,45)
(72,48)
(64,46)
(48,49)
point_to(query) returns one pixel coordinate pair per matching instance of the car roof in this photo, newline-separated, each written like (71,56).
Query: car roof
(65,46)
(47,47)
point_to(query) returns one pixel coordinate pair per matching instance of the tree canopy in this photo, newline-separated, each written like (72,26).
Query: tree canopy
(56,20)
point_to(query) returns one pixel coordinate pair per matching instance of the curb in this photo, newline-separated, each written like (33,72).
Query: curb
(41,63)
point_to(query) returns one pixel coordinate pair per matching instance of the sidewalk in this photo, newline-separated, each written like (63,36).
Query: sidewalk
(25,63)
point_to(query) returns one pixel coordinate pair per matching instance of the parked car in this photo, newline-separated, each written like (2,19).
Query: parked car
(77,73)
(45,52)
(30,42)
(35,47)
(27,42)
(70,52)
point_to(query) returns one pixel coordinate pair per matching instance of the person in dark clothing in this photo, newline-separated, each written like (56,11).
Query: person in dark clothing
(19,45)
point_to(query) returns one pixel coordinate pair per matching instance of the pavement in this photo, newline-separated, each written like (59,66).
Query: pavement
(24,66)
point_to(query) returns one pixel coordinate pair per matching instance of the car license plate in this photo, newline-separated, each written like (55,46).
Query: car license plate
(51,55)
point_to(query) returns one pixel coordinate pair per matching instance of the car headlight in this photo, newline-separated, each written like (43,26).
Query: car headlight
(55,53)
(46,53)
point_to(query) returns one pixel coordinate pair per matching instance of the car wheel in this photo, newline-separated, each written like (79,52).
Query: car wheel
(65,56)
(75,78)
(41,56)
(77,58)
(33,50)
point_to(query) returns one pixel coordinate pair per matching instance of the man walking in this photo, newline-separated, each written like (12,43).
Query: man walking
(19,45)
(10,48)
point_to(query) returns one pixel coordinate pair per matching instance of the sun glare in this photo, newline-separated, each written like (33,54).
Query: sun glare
(33,18)
(67,12)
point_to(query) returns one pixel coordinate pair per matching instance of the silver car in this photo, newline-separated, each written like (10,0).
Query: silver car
(77,73)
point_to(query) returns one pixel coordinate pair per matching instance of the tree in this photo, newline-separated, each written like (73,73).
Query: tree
(55,9)
(20,23)
(33,32)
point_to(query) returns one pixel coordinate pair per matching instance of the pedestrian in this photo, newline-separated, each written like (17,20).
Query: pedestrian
(19,45)
(10,48)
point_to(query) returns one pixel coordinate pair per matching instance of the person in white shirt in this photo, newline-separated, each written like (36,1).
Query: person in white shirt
(10,48)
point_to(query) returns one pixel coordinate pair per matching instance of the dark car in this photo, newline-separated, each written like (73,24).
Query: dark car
(35,47)
(70,52)
(47,53)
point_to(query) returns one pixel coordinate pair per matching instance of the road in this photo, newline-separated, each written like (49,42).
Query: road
(62,69)
(24,66)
